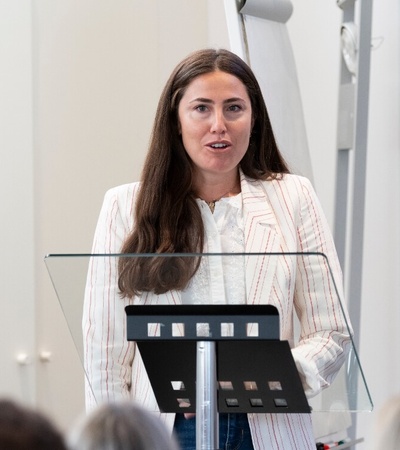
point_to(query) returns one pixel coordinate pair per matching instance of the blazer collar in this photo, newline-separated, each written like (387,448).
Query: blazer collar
(257,210)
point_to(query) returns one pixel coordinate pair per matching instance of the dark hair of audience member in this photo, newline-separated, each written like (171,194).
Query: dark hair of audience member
(24,428)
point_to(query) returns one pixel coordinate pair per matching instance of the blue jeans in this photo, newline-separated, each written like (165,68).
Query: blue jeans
(234,432)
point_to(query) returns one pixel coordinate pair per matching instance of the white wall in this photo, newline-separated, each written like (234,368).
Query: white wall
(17,243)
(91,72)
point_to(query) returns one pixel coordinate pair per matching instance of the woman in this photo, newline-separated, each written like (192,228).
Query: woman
(214,181)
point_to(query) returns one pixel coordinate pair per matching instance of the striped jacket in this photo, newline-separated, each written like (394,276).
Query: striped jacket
(279,216)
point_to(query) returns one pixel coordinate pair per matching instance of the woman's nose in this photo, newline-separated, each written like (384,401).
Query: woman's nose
(218,123)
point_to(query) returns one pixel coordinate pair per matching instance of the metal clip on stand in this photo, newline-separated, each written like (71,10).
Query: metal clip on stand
(206,359)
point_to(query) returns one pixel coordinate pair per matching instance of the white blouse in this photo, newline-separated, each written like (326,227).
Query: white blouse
(220,278)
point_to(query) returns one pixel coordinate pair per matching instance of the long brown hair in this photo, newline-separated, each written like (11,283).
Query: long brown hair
(167,218)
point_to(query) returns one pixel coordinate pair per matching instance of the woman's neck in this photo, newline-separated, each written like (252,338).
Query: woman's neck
(214,190)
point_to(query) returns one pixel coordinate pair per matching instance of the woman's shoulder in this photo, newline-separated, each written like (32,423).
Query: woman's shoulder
(120,200)
(123,191)
(288,182)
(293,179)
(123,188)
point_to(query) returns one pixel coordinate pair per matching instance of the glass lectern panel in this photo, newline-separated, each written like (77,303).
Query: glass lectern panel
(88,291)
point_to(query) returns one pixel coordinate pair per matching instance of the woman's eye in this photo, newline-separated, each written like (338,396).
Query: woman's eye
(201,108)
(234,108)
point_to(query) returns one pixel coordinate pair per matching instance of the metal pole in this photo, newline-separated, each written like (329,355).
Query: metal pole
(207,425)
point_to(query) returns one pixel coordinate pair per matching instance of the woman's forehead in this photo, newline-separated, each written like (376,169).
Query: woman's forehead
(216,84)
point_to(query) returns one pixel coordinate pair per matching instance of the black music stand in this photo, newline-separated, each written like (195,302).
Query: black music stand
(255,371)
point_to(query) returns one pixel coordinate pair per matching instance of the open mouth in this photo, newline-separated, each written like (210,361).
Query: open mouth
(219,145)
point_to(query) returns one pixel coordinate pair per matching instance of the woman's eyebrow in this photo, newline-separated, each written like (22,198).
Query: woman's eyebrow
(208,100)
(202,100)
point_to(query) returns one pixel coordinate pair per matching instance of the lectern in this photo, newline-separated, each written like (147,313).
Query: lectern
(228,354)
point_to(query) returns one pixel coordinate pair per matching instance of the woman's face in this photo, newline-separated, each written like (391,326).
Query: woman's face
(215,121)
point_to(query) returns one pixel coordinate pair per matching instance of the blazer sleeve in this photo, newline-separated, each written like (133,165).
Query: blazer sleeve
(325,329)
(107,355)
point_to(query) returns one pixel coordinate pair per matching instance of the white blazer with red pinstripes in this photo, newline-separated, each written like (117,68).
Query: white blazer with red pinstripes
(281,215)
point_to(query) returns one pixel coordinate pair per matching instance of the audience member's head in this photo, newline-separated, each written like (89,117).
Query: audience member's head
(121,426)
(387,426)
(23,428)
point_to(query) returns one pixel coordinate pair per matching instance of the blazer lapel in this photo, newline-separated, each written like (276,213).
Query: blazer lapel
(261,239)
